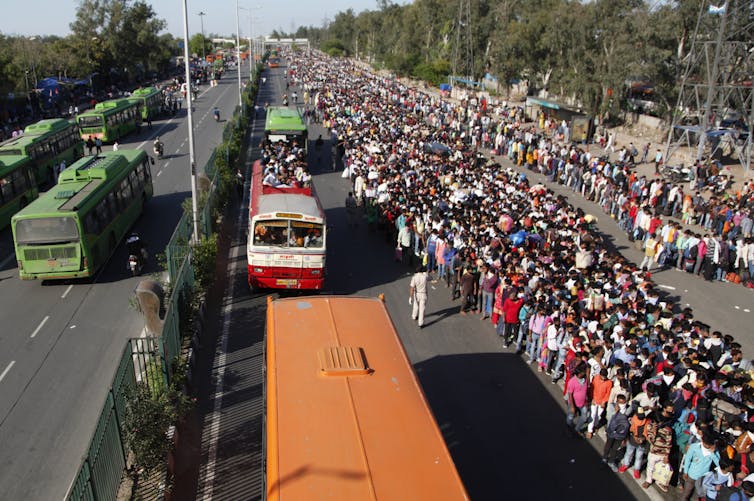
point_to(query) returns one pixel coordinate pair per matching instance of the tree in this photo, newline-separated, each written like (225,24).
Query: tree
(118,36)
(199,44)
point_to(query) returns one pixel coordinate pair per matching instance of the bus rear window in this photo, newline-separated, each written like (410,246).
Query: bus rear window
(46,230)
(90,121)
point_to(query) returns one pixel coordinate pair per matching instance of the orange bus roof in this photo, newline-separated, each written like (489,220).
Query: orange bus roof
(346,417)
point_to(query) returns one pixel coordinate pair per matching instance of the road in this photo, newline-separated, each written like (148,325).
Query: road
(503,423)
(61,342)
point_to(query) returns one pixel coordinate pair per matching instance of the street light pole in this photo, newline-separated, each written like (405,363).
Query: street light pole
(251,42)
(192,153)
(204,50)
(238,57)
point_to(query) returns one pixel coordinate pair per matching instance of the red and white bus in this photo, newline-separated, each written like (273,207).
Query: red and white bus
(286,244)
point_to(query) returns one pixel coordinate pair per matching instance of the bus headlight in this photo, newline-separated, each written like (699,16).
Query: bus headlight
(258,270)
(316,272)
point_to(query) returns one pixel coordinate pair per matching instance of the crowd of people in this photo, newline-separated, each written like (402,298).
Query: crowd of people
(713,236)
(664,386)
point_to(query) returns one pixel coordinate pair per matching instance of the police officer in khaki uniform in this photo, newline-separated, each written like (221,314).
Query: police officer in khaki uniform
(417,294)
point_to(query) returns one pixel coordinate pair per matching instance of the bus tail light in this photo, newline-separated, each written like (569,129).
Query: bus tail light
(258,270)
(316,272)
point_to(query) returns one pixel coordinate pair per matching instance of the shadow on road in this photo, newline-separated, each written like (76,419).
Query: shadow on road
(506,431)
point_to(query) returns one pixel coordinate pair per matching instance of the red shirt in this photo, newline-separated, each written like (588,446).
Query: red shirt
(511,308)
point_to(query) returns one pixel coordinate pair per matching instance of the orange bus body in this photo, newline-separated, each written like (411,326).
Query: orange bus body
(346,417)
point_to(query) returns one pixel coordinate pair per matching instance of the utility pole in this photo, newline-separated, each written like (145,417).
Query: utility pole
(192,152)
(238,57)
(204,42)
(715,84)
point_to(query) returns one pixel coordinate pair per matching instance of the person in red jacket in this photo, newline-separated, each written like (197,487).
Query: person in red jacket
(511,306)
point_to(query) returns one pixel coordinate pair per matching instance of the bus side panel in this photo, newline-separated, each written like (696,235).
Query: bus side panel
(272,466)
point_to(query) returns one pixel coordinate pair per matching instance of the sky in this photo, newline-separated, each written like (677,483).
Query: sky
(220,15)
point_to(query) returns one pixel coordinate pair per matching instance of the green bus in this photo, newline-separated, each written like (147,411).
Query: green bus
(110,120)
(71,230)
(47,143)
(150,99)
(285,124)
(17,186)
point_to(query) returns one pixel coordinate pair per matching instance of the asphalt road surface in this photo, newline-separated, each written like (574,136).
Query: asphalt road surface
(504,425)
(61,342)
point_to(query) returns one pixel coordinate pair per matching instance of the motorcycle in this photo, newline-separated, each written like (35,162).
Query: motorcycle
(158,150)
(137,254)
(134,264)
(216,114)
(677,174)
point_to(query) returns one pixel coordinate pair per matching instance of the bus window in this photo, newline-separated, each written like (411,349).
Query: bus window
(91,223)
(46,230)
(271,233)
(6,189)
(126,195)
(112,203)
(90,121)
(103,213)
(309,233)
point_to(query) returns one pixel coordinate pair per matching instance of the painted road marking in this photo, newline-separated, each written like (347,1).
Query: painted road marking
(158,131)
(747,310)
(737,307)
(7,369)
(39,327)
(159,172)
(66,291)
(668,287)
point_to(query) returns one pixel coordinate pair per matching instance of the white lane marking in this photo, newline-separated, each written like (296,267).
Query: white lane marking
(73,327)
(737,307)
(747,310)
(207,477)
(159,172)
(158,131)
(39,327)
(668,287)
(7,369)
(66,291)
(7,260)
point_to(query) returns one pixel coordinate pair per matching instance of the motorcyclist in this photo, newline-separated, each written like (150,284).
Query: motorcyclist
(216,113)
(158,146)
(137,247)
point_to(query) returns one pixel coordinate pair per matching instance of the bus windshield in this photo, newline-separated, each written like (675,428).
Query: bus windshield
(287,233)
(46,230)
(90,121)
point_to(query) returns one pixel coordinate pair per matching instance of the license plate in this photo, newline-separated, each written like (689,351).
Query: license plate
(52,262)
(287,282)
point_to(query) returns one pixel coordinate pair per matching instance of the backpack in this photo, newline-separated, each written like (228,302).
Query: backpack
(692,251)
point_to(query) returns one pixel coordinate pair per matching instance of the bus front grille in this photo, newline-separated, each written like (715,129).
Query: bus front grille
(44,253)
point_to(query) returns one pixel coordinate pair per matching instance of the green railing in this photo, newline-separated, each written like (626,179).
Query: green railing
(147,359)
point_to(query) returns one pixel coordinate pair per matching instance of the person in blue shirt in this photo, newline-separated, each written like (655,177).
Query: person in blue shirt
(720,477)
(696,464)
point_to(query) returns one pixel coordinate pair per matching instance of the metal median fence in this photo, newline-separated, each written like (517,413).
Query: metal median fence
(149,359)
